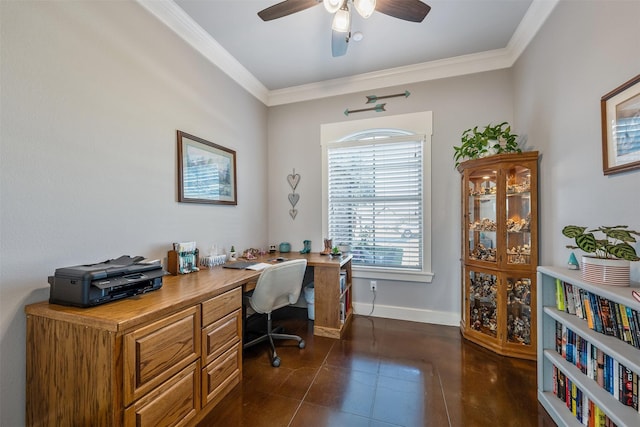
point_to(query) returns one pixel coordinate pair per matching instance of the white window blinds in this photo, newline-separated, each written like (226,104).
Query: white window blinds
(375,198)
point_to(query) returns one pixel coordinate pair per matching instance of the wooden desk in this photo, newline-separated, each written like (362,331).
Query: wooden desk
(328,295)
(166,357)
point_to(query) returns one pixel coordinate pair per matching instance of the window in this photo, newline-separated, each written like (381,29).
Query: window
(376,192)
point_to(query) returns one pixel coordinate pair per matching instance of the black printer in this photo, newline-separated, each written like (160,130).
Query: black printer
(94,284)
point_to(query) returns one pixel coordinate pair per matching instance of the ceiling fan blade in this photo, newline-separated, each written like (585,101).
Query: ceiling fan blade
(339,43)
(409,10)
(287,7)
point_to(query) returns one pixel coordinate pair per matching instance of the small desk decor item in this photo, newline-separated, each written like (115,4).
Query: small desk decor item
(285,247)
(307,247)
(183,259)
(620,110)
(206,172)
(215,257)
(328,247)
(293,179)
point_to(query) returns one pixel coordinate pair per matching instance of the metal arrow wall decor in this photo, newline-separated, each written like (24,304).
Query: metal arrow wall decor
(373,98)
(378,108)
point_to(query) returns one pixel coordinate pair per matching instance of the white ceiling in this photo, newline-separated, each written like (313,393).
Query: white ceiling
(289,59)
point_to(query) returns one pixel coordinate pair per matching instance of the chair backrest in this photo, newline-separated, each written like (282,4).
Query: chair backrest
(278,285)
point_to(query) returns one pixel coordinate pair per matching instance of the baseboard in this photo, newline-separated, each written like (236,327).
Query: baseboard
(411,314)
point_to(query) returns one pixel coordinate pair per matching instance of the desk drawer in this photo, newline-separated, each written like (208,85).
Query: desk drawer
(221,335)
(220,306)
(156,352)
(174,403)
(221,375)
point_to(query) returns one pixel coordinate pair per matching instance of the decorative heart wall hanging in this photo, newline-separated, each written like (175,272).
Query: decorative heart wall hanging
(293,179)
(293,199)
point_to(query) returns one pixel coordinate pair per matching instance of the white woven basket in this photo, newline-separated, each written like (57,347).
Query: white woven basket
(601,271)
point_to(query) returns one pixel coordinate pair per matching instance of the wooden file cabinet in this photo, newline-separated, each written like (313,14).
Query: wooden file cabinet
(162,359)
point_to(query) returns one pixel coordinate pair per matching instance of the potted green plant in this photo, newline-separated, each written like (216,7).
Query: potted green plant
(609,255)
(491,140)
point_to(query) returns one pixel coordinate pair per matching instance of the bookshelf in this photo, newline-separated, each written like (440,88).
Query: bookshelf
(559,355)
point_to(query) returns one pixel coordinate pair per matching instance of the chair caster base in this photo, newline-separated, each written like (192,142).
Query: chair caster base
(301,344)
(275,362)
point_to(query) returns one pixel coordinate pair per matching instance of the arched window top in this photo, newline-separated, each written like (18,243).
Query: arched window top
(370,134)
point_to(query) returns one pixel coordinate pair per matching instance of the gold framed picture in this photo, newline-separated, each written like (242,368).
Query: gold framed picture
(620,111)
(206,171)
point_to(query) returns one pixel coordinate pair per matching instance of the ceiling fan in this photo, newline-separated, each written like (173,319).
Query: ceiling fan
(408,10)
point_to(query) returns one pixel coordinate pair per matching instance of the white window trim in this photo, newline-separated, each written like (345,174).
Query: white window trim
(418,123)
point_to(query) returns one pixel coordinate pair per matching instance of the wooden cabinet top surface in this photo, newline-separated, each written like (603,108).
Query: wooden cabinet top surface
(177,292)
(498,158)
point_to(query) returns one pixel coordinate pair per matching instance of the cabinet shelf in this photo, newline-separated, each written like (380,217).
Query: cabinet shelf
(617,349)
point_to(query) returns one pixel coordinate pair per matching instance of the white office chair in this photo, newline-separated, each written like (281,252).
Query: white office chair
(278,286)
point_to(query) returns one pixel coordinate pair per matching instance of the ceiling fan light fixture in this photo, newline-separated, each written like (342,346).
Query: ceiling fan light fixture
(365,7)
(342,20)
(332,6)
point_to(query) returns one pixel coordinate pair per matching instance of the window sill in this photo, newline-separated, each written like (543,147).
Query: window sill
(394,274)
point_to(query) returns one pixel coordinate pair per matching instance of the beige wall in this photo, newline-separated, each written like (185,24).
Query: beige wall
(294,142)
(92,96)
(584,50)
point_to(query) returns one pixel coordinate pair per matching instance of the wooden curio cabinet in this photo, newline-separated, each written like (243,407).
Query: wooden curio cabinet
(500,252)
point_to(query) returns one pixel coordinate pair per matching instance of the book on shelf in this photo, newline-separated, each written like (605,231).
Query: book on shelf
(605,313)
(577,298)
(560,298)
(634,387)
(626,325)
(626,387)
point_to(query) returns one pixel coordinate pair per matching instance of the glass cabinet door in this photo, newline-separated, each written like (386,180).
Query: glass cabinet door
(483,295)
(519,310)
(518,216)
(482,215)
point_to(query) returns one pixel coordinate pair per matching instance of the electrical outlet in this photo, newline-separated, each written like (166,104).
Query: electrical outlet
(373,285)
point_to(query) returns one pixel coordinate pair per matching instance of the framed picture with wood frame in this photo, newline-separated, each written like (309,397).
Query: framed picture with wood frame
(620,111)
(206,172)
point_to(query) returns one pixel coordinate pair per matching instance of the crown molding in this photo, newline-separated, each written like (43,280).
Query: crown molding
(175,18)
(170,14)
(536,16)
(457,66)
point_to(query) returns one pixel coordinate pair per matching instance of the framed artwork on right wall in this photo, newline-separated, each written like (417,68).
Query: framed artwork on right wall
(620,111)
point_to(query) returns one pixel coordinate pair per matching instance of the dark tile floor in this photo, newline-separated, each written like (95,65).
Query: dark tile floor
(382,373)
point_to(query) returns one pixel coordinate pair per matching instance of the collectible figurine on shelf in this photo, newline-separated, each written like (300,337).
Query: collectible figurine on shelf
(573,262)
